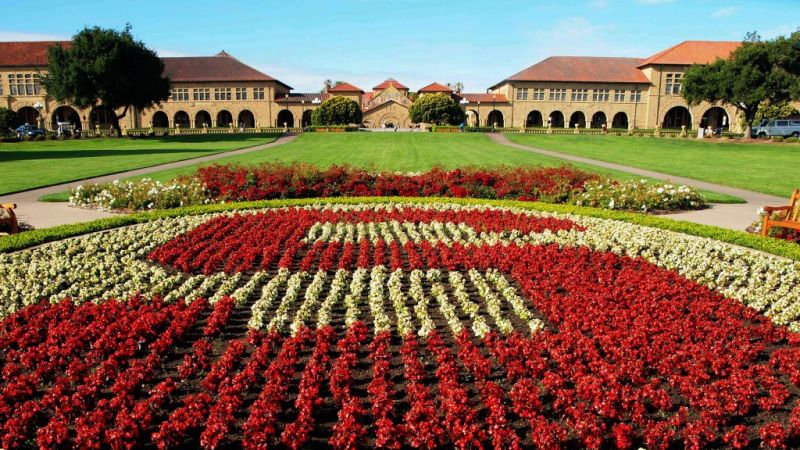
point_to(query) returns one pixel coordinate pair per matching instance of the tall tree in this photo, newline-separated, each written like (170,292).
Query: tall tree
(109,68)
(437,109)
(456,86)
(757,72)
(9,120)
(328,84)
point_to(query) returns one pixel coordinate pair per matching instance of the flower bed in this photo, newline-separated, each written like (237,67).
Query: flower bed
(278,181)
(398,325)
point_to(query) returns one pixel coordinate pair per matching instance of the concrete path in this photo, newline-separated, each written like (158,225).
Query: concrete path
(733,216)
(49,214)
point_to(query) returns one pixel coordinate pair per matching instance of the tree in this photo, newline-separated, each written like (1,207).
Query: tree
(328,84)
(337,111)
(775,111)
(757,72)
(437,109)
(9,120)
(457,87)
(109,68)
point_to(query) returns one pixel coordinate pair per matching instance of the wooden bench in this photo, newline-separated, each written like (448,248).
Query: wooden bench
(11,220)
(789,219)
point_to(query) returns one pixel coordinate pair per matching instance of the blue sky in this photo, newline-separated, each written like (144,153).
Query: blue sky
(415,41)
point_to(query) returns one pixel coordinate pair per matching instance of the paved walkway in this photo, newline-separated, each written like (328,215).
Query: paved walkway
(49,214)
(733,216)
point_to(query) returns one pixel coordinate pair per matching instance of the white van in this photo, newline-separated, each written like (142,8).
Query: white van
(777,127)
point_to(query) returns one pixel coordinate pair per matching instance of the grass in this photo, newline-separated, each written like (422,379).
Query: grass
(761,167)
(30,165)
(398,152)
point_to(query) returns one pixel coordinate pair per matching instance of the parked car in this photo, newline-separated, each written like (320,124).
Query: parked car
(29,130)
(777,127)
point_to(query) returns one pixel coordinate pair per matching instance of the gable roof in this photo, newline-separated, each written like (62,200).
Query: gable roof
(299,97)
(220,67)
(345,87)
(390,82)
(484,98)
(693,52)
(436,87)
(26,54)
(584,69)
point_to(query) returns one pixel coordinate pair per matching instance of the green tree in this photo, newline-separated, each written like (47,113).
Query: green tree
(106,67)
(775,111)
(437,109)
(328,84)
(337,111)
(9,120)
(758,72)
(456,86)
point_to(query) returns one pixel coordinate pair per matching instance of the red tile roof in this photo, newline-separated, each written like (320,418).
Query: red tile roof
(220,67)
(390,82)
(484,98)
(693,52)
(25,54)
(299,97)
(436,87)
(345,87)
(584,69)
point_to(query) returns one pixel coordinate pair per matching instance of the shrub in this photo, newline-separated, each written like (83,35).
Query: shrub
(9,120)
(792,140)
(337,111)
(638,195)
(142,195)
(777,139)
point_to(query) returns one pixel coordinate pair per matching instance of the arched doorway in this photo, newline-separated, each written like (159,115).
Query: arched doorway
(285,118)
(224,119)
(100,116)
(715,117)
(181,119)
(246,119)
(557,119)
(28,115)
(66,114)
(534,119)
(677,117)
(620,120)
(577,118)
(160,120)
(495,119)
(472,118)
(202,118)
(598,119)
(306,118)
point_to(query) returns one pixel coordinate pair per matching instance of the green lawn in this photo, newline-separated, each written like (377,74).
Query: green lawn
(762,167)
(399,152)
(29,165)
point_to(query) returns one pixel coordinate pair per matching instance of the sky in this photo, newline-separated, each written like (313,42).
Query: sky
(478,43)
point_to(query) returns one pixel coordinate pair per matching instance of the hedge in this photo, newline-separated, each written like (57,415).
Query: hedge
(769,245)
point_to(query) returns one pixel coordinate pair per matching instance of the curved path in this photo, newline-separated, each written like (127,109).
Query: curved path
(733,216)
(49,214)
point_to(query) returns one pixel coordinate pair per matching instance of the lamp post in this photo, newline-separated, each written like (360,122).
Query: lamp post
(38,107)
(303,113)
(286,97)
(494,108)
(316,102)
(478,122)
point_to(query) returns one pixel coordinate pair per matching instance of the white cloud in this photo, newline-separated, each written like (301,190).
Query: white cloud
(20,36)
(164,53)
(654,2)
(725,12)
(780,30)
(598,4)
(579,36)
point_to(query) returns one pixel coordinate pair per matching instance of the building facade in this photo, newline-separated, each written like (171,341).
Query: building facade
(562,91)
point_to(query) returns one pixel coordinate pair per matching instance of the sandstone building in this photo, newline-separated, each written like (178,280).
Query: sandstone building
(563,91)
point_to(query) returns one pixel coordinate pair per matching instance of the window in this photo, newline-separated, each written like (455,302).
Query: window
(201,94)
(522,94)
(600,95)
(180,95)
(580,95)
(673,84)
(1,87)
(538,94)
(24,84)
(636,96)
(558,94)
(222,93)
(258,94)
(783,123)
(619,95)
(241,93)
